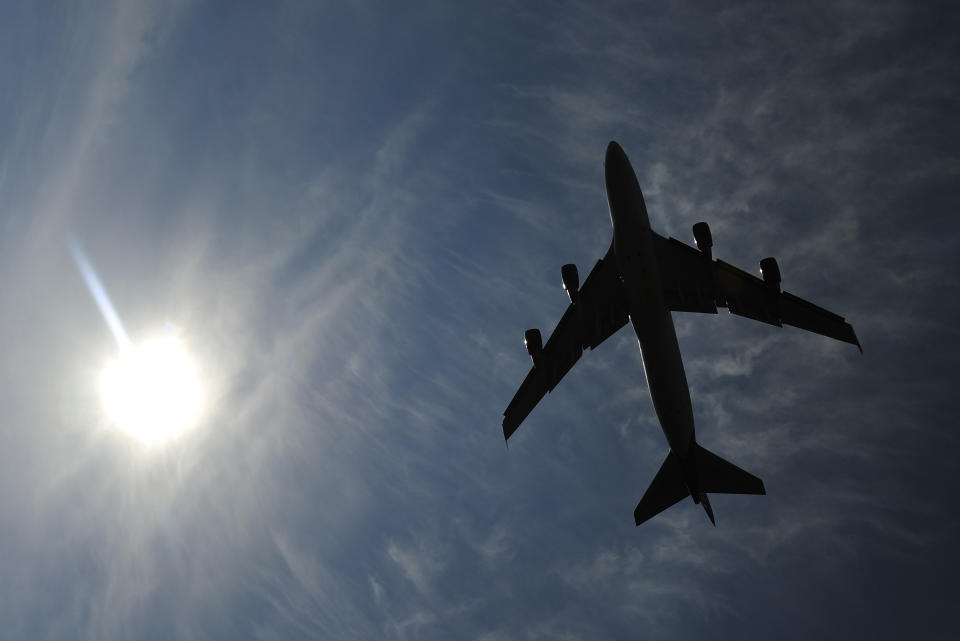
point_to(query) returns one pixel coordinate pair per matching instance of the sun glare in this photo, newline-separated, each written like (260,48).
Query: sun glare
(152,391)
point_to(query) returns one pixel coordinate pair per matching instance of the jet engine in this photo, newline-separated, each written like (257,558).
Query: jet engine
(771,278)
(771,273)
(701,234)
(531,338)
(571,281)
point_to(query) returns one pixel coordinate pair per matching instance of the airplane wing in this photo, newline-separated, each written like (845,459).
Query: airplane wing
(694,282)
(601,310)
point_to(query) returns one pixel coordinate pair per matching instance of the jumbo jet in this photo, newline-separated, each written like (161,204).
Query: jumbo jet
(642,279)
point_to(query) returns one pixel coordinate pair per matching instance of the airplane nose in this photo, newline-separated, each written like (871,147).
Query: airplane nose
(616,166)
(624,197)
(615,157)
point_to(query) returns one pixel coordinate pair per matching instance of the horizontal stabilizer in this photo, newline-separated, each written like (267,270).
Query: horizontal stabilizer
(722,477)
(709,473)
(666,490)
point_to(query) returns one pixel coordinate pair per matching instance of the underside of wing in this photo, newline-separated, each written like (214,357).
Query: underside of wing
(599,310)
(761,299)
(805,315)
(694,282)
(602,303)
(686,275)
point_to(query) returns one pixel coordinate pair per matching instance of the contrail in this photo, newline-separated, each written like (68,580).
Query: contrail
(99,294)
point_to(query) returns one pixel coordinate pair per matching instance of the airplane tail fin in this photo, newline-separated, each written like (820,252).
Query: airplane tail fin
(712,474)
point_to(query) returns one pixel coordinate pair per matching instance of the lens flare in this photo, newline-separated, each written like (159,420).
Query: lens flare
(99,293)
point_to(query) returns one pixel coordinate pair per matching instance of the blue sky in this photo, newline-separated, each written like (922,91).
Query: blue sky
(352,211)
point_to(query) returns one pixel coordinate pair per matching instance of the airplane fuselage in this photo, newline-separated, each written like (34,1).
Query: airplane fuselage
(649,315)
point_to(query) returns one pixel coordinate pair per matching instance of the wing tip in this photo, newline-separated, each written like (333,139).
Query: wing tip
(508,429)
(637,518)
(855,341)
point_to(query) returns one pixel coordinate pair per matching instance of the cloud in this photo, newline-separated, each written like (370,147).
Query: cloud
(417,565)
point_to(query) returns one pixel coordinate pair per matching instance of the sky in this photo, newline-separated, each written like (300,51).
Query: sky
(351,211)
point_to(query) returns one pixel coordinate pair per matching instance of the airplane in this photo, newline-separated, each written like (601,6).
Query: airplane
(642,279)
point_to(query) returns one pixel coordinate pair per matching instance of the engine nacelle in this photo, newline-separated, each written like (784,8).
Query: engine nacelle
(534,344)
(704,239)
(571,281)
(771,278)
(771,273)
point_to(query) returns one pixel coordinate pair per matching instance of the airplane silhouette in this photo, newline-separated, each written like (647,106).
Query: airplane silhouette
(642,279)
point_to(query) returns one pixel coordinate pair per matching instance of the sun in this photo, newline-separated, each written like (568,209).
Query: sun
(152,391)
